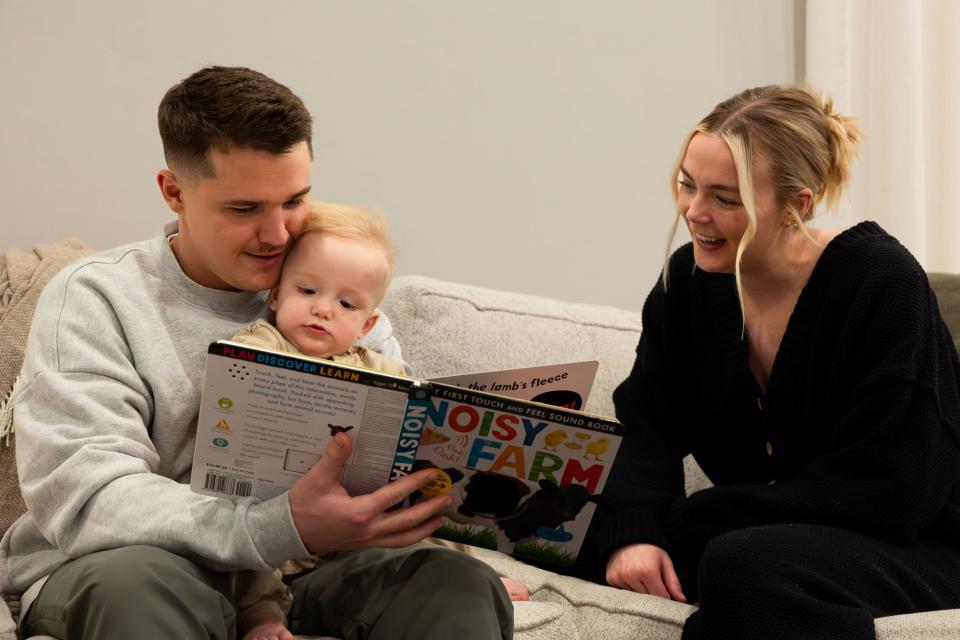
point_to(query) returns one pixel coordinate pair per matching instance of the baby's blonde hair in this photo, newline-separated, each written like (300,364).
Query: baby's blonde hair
(354,223)
(803,141)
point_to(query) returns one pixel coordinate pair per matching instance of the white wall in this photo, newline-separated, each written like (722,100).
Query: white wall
(517,144)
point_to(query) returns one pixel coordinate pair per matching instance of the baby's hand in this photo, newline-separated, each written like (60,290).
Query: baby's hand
(269,630)
(516,590)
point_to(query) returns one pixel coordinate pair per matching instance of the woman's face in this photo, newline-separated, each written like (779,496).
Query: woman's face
(709,200)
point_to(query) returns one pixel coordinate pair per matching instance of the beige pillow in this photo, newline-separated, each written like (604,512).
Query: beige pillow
(23,274)
(445,328)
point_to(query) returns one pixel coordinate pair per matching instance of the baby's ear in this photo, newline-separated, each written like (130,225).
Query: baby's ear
(369,324)
(272,298)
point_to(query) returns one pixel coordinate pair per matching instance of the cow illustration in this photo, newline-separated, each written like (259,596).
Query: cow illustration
(548,508)
(489,494)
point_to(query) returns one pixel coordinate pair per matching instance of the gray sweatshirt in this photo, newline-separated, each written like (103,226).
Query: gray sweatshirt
(106,415)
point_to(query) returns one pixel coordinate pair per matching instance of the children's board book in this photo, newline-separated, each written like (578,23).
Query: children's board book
(564,385)
(525,475)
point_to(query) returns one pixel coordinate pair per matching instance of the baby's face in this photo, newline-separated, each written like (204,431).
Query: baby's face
(328,292)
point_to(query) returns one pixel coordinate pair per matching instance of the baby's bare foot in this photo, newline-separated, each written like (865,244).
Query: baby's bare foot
(516,590)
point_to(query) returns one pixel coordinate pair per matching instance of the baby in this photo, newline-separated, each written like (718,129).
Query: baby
(332,281)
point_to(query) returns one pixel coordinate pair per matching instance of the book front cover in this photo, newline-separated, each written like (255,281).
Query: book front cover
(524,476)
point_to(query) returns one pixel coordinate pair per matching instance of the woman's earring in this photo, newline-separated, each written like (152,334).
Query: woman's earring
(790,221)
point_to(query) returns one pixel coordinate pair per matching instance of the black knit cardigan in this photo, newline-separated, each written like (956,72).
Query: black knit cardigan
(859,427)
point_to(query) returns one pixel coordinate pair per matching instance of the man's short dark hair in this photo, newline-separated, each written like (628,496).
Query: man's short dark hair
(224,107)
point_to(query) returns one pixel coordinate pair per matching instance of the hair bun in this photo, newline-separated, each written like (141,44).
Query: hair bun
(843,134)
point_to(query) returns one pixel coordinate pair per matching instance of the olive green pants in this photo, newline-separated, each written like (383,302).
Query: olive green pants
(423,591)
(419,592)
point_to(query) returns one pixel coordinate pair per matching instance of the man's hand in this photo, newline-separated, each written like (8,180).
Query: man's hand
(644,568)
(329,519)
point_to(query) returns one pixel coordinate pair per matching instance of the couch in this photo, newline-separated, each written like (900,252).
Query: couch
(448,328)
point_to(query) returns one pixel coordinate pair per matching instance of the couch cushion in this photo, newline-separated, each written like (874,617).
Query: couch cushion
(446,328)
(947,288)
(931,625)
(594,611)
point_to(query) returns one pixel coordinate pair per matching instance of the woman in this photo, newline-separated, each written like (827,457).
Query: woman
(810,374)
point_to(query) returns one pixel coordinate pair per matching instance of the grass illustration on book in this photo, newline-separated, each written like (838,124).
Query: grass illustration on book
(543,552)
(467,534)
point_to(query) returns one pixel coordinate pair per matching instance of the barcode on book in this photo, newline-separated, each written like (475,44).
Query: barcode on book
(227,485)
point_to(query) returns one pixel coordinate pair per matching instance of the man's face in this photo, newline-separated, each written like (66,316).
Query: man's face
(236,227)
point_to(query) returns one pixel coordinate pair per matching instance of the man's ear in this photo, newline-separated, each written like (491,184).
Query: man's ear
(272,298)
(369,324)
(171,190)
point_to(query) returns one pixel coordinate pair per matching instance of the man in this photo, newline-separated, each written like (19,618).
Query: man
(114,544)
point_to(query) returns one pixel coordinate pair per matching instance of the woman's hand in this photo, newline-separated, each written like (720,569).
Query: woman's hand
(644,568)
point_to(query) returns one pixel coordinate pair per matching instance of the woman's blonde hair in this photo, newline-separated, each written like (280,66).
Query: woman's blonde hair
(803,142)
(354,223)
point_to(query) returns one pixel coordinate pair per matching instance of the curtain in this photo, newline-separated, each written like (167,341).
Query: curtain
(895,64)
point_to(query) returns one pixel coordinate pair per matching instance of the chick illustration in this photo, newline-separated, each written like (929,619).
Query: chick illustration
(596,448)
(554,439)
(432,436)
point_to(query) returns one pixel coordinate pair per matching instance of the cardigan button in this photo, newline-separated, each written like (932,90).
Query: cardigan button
(769,448)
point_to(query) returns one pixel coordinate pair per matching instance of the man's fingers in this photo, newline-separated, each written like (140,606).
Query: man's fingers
(407,537)
(407,518)
(328,468)
(396,491)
